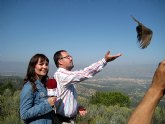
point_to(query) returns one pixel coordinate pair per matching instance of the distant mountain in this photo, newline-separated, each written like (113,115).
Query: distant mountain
(112,70)
(13,68)
(18,68)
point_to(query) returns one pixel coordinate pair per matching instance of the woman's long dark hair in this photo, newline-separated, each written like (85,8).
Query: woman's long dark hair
(31,75)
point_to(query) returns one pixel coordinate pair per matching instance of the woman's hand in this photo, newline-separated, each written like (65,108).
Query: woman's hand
(52,100)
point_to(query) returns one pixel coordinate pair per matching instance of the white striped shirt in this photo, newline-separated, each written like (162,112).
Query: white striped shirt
(66,104)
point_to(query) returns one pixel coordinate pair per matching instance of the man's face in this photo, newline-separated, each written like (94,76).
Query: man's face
(66,61)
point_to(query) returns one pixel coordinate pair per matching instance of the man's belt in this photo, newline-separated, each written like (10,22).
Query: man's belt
(64,118)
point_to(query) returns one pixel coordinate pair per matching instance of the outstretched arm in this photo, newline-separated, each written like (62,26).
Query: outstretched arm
(144,111)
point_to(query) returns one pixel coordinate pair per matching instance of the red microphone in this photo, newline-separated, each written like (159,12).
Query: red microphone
(51,87)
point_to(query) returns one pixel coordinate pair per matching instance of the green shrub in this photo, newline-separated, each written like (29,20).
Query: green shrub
(9,107)
(110,98)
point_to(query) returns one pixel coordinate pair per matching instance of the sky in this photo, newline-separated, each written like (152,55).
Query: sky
(87,29)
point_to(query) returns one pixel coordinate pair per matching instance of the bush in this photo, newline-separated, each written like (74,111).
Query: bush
(9,108)
(159,116)
(100,114)
(5,86)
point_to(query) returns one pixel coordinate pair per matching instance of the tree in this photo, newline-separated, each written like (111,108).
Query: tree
(110,98)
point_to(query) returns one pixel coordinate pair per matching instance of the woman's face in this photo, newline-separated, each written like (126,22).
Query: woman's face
(41,68)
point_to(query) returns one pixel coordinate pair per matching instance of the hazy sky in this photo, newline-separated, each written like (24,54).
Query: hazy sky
(85,28)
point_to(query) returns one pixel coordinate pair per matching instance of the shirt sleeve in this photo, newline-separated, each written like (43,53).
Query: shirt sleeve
(28,109)
(67,77)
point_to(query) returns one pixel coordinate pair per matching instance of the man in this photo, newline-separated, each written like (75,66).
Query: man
(66,104)
(144,111)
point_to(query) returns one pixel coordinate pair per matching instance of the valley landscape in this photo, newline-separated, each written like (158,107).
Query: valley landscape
(132,81)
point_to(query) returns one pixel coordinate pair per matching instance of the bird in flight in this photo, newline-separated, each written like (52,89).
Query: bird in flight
(144,34)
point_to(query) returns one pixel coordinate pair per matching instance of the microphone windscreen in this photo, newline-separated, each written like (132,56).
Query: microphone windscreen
(51,83)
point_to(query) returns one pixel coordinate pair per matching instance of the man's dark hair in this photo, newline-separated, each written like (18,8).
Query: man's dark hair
(57,56)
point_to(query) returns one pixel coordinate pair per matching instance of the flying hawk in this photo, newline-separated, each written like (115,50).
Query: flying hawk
(144,34)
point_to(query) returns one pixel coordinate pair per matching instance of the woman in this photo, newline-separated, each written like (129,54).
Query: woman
(35,106)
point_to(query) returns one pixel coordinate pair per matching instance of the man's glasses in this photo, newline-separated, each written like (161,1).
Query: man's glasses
(68,57)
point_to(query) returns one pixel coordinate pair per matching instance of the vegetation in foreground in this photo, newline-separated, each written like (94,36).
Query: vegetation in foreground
(101,109)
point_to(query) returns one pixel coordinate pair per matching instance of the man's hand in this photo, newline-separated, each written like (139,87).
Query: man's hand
(82,111)
(158,81)
(109,57)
